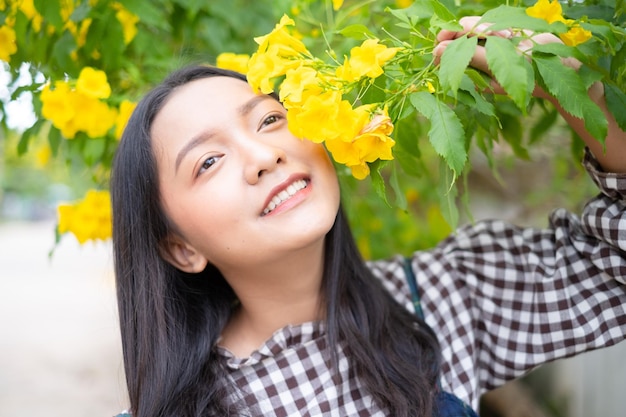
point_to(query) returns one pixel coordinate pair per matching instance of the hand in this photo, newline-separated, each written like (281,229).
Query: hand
(471,27)
(610,158)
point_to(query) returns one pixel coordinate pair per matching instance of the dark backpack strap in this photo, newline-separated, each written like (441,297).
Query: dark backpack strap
(446,404)
(415,296)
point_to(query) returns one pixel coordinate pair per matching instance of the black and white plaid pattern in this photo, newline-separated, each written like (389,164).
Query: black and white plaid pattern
(502,300)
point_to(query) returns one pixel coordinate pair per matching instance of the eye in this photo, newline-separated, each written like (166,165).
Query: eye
(271,119)
(208,163)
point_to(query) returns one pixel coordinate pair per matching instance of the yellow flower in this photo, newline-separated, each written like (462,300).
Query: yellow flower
(372,142)
(337,4)
(344,72)
(403,4)
(233,62)
(280,36)
(575,36)
(81,36)
(299,83)
(28,8)
(57,103)
(263,67)
(322,117)
(88,219)
(96,118)
(128,20)
(368,59)
(7,43)
(548,10)
(93,83)
(43,155)
(126,109)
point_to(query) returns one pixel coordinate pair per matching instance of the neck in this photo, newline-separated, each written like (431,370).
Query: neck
(273,296)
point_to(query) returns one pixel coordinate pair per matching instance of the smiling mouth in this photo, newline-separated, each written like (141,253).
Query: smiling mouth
(284,195)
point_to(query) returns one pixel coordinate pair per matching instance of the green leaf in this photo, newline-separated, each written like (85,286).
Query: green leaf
(568,88)
(506,17)
(357,31)
(150,13)
(54,139)
(51,11)
(616,102)
(93,150)
(447,193)
(446,133)
(454,61)
(62,49)
(400,200)
(378,181)
(545,122)
(559,49)
(511,70)
(480,103)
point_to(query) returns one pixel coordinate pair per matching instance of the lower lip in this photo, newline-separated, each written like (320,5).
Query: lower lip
(295,199)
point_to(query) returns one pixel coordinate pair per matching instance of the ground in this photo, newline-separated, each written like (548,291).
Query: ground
(59,341)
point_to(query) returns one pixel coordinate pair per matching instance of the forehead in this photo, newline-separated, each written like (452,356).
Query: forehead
(217,91)
(200,103)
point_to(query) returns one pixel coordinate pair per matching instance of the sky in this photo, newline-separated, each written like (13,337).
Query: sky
(19,113)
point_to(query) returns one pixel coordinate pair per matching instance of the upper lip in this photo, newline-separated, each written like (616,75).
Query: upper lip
(282,186)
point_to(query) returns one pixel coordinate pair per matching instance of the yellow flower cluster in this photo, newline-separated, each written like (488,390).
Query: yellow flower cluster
(88,219)
(551,11)
(8,45)
(313,93)
(80,107)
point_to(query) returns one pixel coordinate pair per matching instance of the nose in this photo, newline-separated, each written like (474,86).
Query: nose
(260,158)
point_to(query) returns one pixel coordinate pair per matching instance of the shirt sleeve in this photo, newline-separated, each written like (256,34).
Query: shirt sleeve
(504,299)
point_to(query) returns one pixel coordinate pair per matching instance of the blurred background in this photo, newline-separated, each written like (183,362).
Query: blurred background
(60,351)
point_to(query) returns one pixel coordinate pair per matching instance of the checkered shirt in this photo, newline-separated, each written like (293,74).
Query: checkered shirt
(501,299)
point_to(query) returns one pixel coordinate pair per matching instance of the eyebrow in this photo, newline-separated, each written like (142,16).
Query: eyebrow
(204,136)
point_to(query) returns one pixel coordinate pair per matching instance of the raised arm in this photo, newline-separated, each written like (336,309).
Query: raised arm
(613,157)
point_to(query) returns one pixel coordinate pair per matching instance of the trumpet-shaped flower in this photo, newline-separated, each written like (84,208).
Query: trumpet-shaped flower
(290,45)
(299,84)
(263,67)
(320,117)
(233,62)
(93,83)
(7,43)
(88,219)
(96,117)
(370,143)
(368,59)
(128,20)
(575,36)
(548,10)
(126,109)
(57,103)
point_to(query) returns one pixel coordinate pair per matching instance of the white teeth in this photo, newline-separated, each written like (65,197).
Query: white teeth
(284,195)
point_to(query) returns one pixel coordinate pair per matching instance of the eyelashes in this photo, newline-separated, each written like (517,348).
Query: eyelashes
(208,163)
(271,119)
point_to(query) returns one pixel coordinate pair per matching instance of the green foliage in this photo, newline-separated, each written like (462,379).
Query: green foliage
(434,132)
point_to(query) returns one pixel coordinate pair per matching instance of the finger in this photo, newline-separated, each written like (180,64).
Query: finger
(467,24)
(471,27)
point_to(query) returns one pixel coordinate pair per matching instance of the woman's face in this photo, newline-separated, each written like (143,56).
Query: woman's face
(240,189)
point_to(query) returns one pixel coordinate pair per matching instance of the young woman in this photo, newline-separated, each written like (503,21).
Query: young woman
(241,291)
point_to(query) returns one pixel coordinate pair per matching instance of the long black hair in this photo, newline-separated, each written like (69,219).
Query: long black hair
(170,320)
